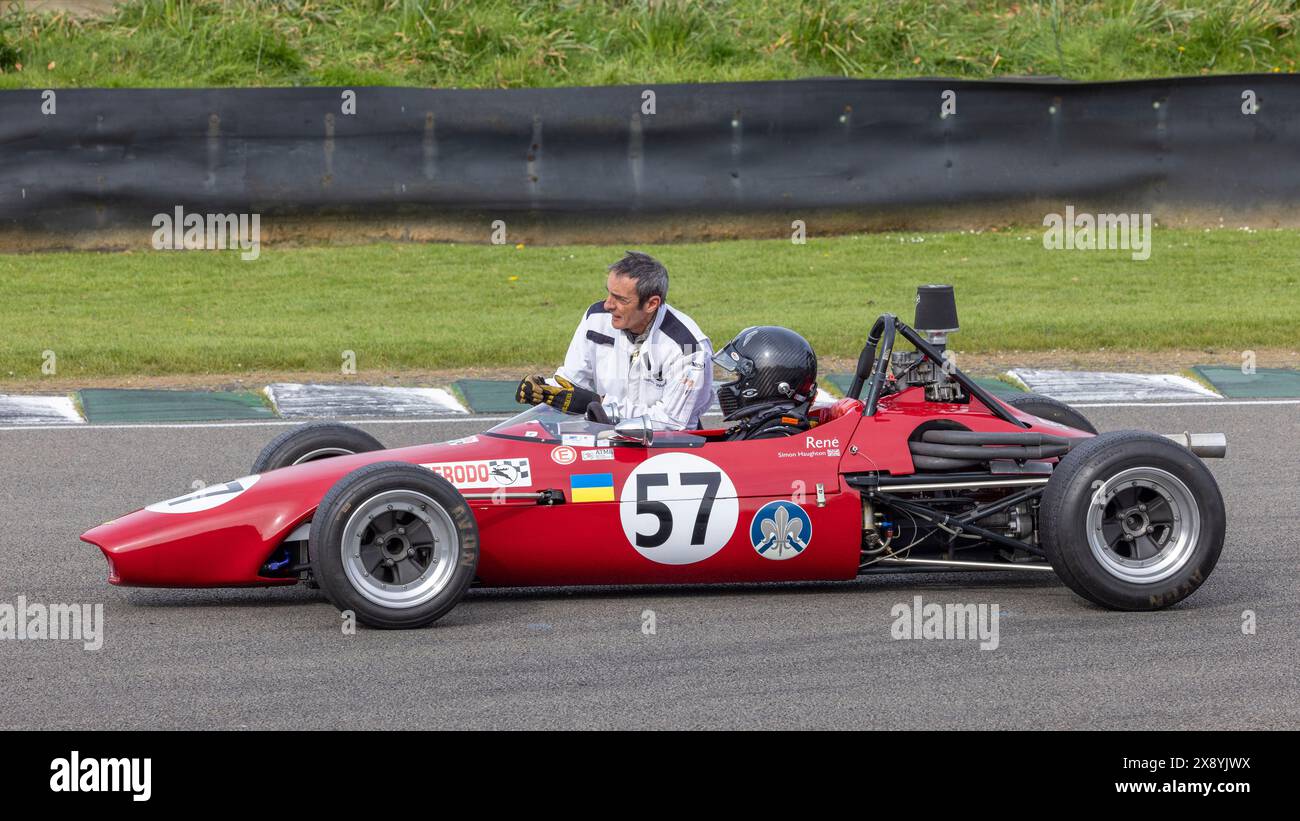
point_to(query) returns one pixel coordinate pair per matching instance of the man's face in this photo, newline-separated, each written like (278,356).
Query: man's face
(622,305)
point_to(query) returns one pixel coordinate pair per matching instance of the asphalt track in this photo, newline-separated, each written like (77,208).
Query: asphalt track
(815,656)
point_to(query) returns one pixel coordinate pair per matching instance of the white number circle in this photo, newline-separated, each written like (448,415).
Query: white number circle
(678,508)
(205,499)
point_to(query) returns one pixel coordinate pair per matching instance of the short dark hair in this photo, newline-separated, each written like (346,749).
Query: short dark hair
(650,274)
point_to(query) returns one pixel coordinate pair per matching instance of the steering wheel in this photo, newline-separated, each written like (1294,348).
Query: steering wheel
(596,413)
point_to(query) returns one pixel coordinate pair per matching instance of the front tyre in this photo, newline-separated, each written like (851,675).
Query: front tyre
(315,440)
(1132,521)
(395,544)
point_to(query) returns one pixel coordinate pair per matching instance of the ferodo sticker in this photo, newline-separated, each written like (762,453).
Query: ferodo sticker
(205,499)
(678,508)
(484,472)
(780,530)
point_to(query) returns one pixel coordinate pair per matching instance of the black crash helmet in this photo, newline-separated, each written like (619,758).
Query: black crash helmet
(771,364)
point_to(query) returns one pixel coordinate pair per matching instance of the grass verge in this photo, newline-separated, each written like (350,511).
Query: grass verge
(427,307)
(516,43)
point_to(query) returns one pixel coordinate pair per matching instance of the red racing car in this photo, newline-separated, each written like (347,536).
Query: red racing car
(918,467)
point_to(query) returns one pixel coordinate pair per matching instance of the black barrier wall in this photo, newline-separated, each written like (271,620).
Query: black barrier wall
(75,161)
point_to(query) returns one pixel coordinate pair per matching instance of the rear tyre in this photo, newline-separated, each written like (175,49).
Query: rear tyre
(317,440)
(1132,521)
(1053,410)
(395,544)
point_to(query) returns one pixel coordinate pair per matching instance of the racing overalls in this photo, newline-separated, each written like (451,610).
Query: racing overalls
(665,374)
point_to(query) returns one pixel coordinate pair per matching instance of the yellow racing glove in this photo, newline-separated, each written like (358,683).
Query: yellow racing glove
(564,396)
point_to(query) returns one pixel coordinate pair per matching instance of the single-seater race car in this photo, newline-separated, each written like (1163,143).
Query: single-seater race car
(918,467)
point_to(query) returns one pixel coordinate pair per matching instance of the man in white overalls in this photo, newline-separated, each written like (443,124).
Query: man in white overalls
(633,355)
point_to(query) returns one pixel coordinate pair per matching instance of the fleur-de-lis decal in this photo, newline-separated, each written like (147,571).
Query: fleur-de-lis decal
(781,533)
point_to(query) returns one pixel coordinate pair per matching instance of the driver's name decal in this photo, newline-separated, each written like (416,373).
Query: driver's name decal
(812,446)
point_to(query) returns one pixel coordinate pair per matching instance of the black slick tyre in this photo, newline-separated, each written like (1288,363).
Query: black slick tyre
(395,544)
(1132,521)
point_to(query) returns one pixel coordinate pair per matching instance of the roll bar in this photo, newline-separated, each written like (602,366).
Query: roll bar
(875,368)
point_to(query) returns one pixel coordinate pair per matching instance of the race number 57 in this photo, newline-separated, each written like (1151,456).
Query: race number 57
(661,511)
(678,508)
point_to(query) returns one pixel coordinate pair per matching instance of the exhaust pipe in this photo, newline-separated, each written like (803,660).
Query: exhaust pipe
(1204,445)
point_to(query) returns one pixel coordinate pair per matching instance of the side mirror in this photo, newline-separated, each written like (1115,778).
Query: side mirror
(635,430)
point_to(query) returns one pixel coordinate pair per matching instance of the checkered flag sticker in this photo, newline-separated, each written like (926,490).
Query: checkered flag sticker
(515,468)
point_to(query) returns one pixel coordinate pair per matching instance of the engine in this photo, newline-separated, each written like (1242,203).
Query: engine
(936,317)
(911,368)
(894,532)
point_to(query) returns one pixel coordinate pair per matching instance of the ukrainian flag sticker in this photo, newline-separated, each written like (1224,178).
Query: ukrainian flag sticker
(592,487)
